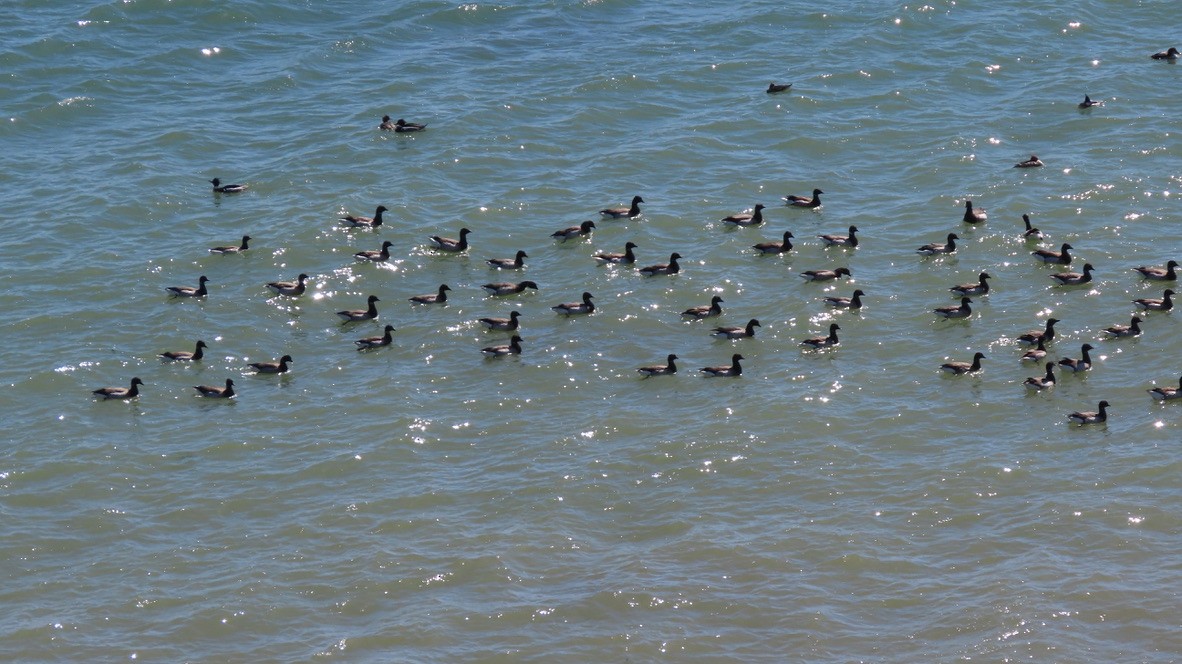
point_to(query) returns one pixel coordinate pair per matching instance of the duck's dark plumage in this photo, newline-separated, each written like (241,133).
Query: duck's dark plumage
(515,263)
(1083,363)
(438,297)
(1074,278)
(214,392)
(671,267)
(1167,393)
(1091,417)
(120,392)
(621,212)
(667,369)
(959,368)
(351,315)
(508,288)
(402,126)
(509,324)
(570,308)
(1061,257)
(219,188)
(451,244)
(833,240)
(973,216)
(1045,334)
(734,369)
(825,275)
(1171,54)
(582,230)
(233,249)
(511,348)
(854,301)
(963,311)
(272,367)
(1088,102)
(775,247)
(792,200)
(375,256)
(376,342)
(1165,303)
(705,310)
(186,356)
(773,87)
(290,287)
(366,222)
(1031,233)
(981,287)
(753,218)
(1133,329)
(1042,382)
(1032,162)
(934,248)
(824,342)
(737,332)
(626,258)
(1154,273)
(189,291)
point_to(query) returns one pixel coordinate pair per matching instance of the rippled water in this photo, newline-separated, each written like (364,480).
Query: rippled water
(422,503)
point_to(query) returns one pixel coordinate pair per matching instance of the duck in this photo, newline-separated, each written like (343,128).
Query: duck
(213,392)
(1167,393)
(737,332)
(387,124)
(854,301)
(934,248)
(753,218)
(768,248)
(667,369)
(959,368)
(1035,355)
(1167,273)
(1042,382)
(515,263)
(734,369)
(289,287)
(1074,278)
(449,244)
(792,200)
(508,288)
(773,87)
(979,288)
(825,275)
(833,240)
(509,324)
(219,188)
(1034,336)
(963,311)
(189,291)
(233,249)
(630,212)
(353,315)
(972,216)
(1031,233)
(663,268)
(439,297)
(571,308)
(824,342)
(366,222)
(626,258)
(1171,55)
(705,310)
(1032,162)
(184,355)
(1061,257)
(376,342)
(582,230)
(1082,417)
(511,348)
(402,126)
(272,367)
(120,392)
(1133,329)
(1077,365)
(1088,103)
(375,256)
(1155,304)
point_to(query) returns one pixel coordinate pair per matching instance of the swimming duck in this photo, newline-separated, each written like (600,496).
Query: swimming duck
(824,342)
(515,263)
(620,212)
(1082,417)
(1167,393)
(1061,257)
(1077,365)
(571,308)
(705,310)
(979,288)
(1133,329)
(825,275)
(1088,103)
(289,287)
(737,332)
(120,392)
(402,126)
(184,355)
(1031,233)
(775,247)
(216,392)
(272,367)
(509,324)
(1033,337)
(959,368)
(1159,274)
(189,291)
(663,268)
(1171,55)
(376,342)
(963,311)
(353,315)
(934,248)
(232,249)
(511,348)
(219,188)
(792,200)
(375,256)
(667,369)
(439,297)
(1042,382)
(1074,278)
(753,218)
(366,222)
(854,301)
(508,288)
(972,216)
(1032,162)
(1036,355)
(850,240)
(387,124)
(584,229)
(450,244)
(1155,304)
(626,258)
(773,87)
(735,369)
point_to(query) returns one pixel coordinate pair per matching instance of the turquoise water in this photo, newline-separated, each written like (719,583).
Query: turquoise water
(422,503)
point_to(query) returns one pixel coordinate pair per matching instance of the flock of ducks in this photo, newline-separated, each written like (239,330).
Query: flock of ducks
(586,305)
